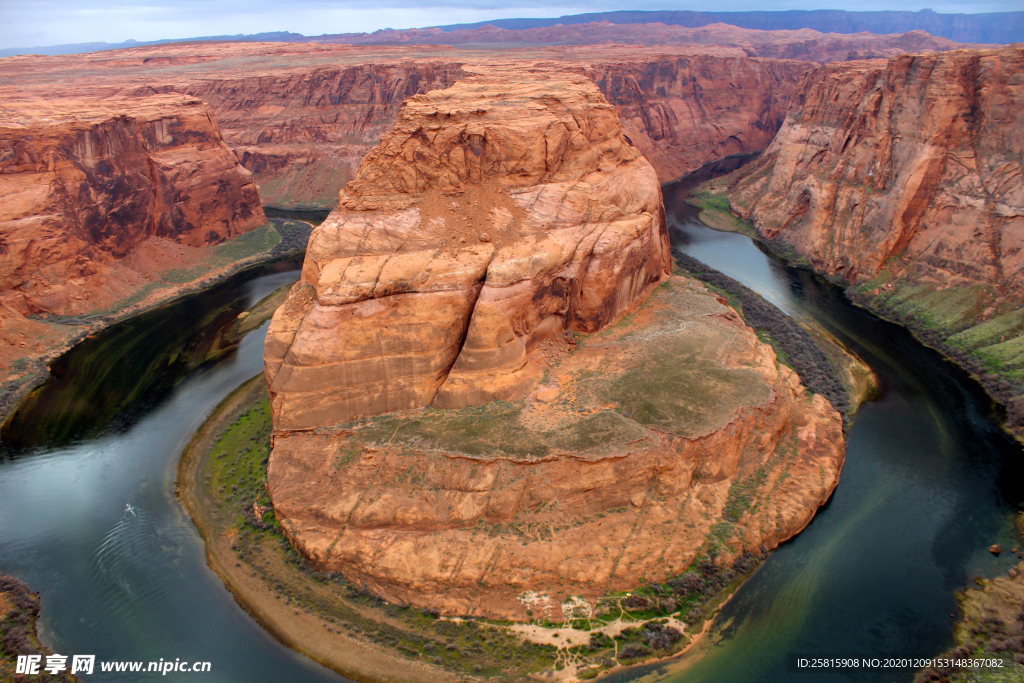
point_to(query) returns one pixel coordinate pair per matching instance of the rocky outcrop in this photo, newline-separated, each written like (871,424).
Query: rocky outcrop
(301,117)
(519,473)
(86,186)
(303,133)
(913,162)
(495,214)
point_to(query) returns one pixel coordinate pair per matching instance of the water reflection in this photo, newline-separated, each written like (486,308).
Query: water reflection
(112,379)
(929,483)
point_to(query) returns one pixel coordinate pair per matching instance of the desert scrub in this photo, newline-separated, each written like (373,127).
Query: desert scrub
(252,243)
(964,325)
(490,430)
(992,628)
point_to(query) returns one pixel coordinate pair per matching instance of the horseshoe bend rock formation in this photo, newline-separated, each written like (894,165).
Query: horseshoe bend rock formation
(494,215)
(669,433)
(517,471)
(84,184)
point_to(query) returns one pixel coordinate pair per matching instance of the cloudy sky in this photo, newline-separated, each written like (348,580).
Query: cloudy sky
(30,23)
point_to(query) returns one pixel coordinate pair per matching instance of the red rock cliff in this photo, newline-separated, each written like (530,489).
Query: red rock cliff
(84,185)
(684,111)
(301,117)
(912,163)
(304,133)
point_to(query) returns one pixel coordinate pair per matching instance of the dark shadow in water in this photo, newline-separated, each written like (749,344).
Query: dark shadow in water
(313,217)
(111,380)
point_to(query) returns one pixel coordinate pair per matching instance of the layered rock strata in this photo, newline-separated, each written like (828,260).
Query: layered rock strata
(495,214)
(301,117)
(684,111)
(914,159)
(88,189)
(515,470)
(904,178)
(671,434)
(304,133)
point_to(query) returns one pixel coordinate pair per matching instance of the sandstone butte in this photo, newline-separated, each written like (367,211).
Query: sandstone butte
(300,117)
(904,177)
(515,475)
(97,196)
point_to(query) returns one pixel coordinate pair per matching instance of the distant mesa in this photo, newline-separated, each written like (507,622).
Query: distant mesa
(996,27)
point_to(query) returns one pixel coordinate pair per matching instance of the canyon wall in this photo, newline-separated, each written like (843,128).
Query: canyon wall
(303,133)
(915,159)
(684,111)
(904,178)
(84,186)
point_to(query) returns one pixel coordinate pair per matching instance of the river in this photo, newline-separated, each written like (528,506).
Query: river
(106,433)
(930,482)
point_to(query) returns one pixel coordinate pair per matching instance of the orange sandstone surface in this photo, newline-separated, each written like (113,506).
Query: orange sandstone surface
(563,417)
(102,199)
(491,217)
(94,197)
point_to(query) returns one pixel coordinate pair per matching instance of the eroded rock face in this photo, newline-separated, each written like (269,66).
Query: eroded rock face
(495,214)
(302,116)
(669,433)
(304,132)
(684,111)
(84,184)
(913,164)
